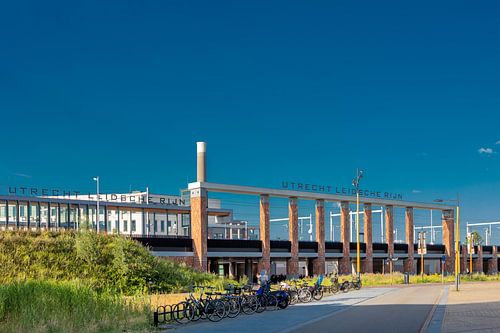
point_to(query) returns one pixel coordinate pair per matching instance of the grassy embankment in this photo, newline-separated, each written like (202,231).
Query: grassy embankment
(83,282)
(397,278)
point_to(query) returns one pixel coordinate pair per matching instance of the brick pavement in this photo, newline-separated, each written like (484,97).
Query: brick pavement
(475,308)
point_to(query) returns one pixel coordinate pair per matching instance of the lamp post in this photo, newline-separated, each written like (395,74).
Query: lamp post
(355,183)
(97,200)
(457,239)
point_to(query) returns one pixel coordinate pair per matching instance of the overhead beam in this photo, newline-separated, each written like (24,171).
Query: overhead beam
(237,189)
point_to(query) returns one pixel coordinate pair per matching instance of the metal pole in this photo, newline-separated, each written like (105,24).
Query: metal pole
(97,205)
(351,222)
(358,263)
(471,241)
(331,226)
(381,224)
(310,228)
(457,249)
(432,231)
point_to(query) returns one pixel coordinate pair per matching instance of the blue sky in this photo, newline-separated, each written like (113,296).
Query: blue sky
(279,90)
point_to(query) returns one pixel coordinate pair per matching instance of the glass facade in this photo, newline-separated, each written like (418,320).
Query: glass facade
(12,215)
(34,216)
(122,220)
(3,213)
(73,216)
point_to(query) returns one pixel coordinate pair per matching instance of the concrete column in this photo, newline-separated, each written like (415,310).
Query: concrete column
(477,263)
(493,262)
(232,270)
(389,233)
(319,263)
(199,228)
(265,234)
(408,263)
(293,230)
(248,270)
(345,226)
(368,229)
(449,240)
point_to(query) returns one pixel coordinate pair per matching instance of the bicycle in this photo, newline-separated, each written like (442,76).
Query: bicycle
(317,289)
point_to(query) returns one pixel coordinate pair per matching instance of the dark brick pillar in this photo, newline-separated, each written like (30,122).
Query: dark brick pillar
(477,264)
(345,227)
(408,263)
(319,263)
(449,240)
(199,228)
(293,229)
(265,232)
(493,262)
(389,233)
(368,239)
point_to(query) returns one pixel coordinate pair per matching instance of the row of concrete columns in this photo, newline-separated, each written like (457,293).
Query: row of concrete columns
(199,235)
(477,261)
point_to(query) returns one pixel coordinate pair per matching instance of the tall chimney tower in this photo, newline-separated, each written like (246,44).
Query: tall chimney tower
(201,163)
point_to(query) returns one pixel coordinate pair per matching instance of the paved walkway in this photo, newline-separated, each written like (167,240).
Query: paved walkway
(404,310)
(284,320)
(475,308)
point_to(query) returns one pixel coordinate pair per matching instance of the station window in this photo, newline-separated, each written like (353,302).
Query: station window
(125,225)
(155,226)
(162,226)
(133,227)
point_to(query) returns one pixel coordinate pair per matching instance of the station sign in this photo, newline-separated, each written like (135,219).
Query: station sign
(422,244)
(339,190)
(134,197)
(470,243)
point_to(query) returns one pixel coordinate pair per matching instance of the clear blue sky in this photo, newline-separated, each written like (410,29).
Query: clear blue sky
(279,90)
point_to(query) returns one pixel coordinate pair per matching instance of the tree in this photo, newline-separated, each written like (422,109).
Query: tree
(478,240)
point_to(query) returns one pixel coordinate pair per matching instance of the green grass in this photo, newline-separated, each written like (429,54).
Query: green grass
(68,307)
(398,278)
(84,282)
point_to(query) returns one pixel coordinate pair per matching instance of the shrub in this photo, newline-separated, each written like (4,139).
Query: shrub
(110,263)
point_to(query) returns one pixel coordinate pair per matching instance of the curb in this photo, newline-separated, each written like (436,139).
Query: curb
(434,321)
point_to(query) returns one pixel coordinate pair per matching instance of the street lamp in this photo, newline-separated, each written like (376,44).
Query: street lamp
(457,238)
(355,183)
(97,200)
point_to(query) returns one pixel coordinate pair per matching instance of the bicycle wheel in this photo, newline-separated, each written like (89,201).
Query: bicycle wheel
(227,306)
(305,295)
(345,286)
(358,285)
(249,304)
(318,294)
(262,303)
(283,302)
(293,297)
(215,310)
(182,312)
(334,288)
(271,303)
(194,310)
(234,307)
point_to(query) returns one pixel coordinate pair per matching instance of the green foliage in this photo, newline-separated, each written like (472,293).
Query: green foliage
(478,240)
(378,279)
(43,306)
(109,263)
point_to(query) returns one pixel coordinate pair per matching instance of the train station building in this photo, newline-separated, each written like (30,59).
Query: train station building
(195,229)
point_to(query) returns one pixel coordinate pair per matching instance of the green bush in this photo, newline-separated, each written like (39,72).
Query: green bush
(67,307)
(110,263)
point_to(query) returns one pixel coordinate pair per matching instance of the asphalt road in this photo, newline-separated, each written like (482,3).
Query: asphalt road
(367,310)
